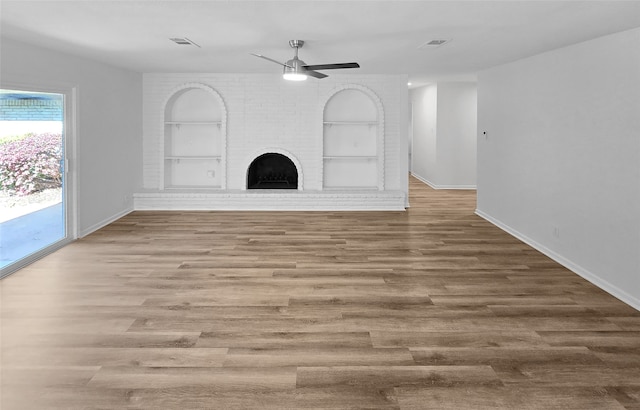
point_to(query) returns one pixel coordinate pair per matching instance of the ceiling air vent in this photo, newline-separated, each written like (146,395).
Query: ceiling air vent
(433,43)
(183,41)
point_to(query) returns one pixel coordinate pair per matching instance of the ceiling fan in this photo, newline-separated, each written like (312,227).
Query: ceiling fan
(297,70)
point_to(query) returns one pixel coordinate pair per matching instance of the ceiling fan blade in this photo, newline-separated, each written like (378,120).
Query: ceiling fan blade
(315,74)
(331,66)
(271,59)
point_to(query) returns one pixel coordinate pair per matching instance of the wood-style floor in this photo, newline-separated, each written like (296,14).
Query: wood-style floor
(433,308)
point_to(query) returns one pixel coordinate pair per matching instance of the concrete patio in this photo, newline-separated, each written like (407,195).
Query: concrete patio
(26,234)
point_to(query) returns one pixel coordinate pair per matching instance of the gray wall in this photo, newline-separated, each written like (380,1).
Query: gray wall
(109,124)
(424,106)
(560,166)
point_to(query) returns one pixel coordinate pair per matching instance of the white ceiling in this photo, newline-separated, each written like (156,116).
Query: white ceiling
(383,36)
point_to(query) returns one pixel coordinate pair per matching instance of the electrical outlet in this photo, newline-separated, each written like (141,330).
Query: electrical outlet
(556,232)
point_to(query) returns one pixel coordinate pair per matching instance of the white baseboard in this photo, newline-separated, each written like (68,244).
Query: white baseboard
(572,266)
(435,186)
(103,223)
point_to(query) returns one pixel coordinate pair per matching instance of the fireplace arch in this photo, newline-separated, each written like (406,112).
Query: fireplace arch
(273,169)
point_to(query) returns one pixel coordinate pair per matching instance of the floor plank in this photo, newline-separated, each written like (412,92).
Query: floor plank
(429,308)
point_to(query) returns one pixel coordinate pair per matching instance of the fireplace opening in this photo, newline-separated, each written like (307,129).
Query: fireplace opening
(272,171)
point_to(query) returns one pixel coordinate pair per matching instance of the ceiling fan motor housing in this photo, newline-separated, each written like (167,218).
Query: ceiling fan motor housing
(295,65)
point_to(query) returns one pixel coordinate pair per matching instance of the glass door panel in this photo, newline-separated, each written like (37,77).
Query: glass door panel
(32,175)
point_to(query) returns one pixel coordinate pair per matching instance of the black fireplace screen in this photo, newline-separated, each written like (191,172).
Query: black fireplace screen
(272,171)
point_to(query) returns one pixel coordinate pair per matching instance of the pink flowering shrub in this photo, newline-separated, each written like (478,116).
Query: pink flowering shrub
(31,164)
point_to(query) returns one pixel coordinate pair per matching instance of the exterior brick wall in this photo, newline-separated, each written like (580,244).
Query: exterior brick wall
(30,110)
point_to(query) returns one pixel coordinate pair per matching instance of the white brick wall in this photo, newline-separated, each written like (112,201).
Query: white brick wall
(264,111)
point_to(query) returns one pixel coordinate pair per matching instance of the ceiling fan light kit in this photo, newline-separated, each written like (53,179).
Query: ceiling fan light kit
(297,70)
(292,76)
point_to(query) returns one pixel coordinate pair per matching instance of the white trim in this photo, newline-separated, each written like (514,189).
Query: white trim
(104,222)
(460,187)
(71,156)
(572,266)
(423,180)
(434,186)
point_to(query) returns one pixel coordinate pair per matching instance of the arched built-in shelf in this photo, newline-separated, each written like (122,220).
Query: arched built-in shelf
(195,139)
(353,141)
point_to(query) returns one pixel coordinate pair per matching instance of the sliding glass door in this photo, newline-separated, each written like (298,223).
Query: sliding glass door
(33,185)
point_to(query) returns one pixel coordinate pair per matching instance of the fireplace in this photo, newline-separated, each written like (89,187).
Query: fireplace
(272,171)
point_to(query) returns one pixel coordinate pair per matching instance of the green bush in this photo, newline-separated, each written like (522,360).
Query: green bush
(31,164)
